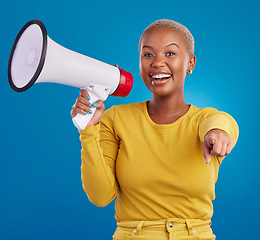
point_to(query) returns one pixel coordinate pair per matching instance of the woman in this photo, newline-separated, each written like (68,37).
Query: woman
(150,156)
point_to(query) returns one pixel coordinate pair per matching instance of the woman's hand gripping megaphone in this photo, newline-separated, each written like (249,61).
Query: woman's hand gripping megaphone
(89,106)
(86,109)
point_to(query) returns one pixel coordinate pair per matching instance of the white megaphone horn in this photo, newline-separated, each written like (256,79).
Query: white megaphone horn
(36,58)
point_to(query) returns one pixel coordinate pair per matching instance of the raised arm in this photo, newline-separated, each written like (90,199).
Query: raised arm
(98,154)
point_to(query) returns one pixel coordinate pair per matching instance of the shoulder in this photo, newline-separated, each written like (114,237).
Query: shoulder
(125,111)
(129,107)
(203,113)
(208,113)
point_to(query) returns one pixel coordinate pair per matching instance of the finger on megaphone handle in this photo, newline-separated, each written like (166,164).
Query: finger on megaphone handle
(98,104)
(100,107)
(75,110)
(83,101)
(84,93)
(81,106)
(72,112)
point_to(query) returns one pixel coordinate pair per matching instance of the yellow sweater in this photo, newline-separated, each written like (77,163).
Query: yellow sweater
(154,171)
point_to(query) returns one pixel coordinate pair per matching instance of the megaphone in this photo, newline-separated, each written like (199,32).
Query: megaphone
(36,58)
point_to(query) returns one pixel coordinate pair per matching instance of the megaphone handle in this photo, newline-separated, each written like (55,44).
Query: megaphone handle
(95,93)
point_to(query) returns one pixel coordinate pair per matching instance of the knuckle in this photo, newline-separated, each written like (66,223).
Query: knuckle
(76,105)
(218,152)
(228,151)
(215,152)
(83,91)
(223,151)
(222,154)
(82,99)
(84,94)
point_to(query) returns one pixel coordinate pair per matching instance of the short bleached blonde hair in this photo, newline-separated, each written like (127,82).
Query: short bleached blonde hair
(175,25)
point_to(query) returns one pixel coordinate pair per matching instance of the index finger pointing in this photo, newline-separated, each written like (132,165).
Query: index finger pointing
(206,152)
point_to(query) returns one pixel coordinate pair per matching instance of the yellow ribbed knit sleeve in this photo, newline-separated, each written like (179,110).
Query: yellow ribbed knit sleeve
(222,121)
(98,167)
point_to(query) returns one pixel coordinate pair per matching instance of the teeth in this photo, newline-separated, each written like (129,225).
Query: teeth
(159,76)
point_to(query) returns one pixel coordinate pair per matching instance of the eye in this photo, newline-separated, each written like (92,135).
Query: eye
(170,54)
(149,55)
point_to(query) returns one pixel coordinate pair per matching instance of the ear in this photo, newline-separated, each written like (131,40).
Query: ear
(192,62)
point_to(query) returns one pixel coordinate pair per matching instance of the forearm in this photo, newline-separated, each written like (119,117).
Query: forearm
(98,178)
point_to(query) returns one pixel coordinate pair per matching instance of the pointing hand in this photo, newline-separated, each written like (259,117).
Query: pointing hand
(216,143)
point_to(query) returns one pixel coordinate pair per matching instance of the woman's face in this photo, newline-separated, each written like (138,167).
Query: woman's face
(164,61)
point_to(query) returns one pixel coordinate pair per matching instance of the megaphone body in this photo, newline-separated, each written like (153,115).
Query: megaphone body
(36,58)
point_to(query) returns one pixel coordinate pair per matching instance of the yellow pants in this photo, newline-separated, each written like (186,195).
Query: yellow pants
(168,229)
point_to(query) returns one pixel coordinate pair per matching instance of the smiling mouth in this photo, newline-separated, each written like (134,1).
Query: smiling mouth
(160,77)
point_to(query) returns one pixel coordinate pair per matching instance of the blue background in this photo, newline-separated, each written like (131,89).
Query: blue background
(40,185)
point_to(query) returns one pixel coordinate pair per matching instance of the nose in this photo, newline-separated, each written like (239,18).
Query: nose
(158,61)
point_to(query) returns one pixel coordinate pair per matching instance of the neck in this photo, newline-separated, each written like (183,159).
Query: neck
(166,110)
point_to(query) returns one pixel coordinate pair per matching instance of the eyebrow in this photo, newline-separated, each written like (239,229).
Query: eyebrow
(172,44)
(147,46)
